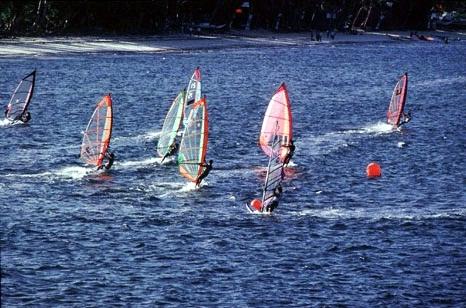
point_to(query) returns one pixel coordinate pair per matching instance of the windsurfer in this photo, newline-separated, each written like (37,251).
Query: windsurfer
(291,147)
(205,173)
(172,149)
(277,194)
(7,109)
(25,117)
(406,118)
(110,158)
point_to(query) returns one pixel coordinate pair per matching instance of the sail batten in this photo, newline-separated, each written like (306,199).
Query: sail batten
(278,113)
(21,97)
(96,139)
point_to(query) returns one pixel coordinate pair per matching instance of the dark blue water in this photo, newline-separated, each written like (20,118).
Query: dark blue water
(140,236)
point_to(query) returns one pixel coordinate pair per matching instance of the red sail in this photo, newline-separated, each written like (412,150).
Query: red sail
(397,103)
(97,136)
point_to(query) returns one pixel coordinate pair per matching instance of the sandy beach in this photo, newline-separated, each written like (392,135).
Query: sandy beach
(36,46)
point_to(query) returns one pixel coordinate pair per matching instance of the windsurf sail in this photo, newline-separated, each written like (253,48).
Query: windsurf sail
(171,125)
(98,132)
(193,93)
(274,174)
(193,146)
(278,111)
(397,103)
(21,97)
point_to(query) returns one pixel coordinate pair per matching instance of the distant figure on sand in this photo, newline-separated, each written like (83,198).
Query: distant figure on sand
(205,173)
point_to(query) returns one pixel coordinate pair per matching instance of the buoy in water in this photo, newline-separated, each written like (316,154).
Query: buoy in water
(373,170)
(256,204)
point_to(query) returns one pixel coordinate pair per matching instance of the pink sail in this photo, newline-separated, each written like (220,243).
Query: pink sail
(397,103)
(277,117)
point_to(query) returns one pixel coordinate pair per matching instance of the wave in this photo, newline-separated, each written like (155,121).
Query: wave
(5,122)
(440,82)
(377,214)
(333,141)
(131,140)
(139,163)
(70,172)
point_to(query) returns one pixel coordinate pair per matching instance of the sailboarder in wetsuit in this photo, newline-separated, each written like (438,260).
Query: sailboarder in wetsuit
(24,117)
(208,167)
(291,147)
(110,159)
(172,149)
(277,194)
(406,117)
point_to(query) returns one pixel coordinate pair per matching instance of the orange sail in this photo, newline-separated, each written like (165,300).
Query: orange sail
(278,113)
(97,136)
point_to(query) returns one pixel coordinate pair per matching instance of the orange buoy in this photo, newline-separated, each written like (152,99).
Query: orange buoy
(373,170)
(256,204)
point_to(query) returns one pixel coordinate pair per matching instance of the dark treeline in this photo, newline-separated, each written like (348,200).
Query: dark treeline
(168,16)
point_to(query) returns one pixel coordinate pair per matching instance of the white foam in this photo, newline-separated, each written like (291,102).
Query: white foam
(146,137)
(191,186)
(380,213)
(139,163)
(5,122)
(333,141)
(440,82)
(71,172)
(74,172)
(377,128)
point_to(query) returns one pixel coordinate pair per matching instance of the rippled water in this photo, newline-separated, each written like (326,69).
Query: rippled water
(141,235)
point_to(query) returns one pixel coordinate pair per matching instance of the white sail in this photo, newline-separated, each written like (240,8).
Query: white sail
(274,174)
(193,146)
(171,125)
(193,94)
(19,101)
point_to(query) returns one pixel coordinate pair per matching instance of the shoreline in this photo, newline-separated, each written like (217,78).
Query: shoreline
(54,45)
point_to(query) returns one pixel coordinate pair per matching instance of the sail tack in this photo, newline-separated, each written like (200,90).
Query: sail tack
(21,97)
(398,100)
(193,93)
(96,139)
(193,146)
(278,112)
(171,125)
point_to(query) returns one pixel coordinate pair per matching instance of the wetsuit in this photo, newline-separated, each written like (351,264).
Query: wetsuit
(171,151)
(111,158)
(25,117)
(289,155)
(205,173)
